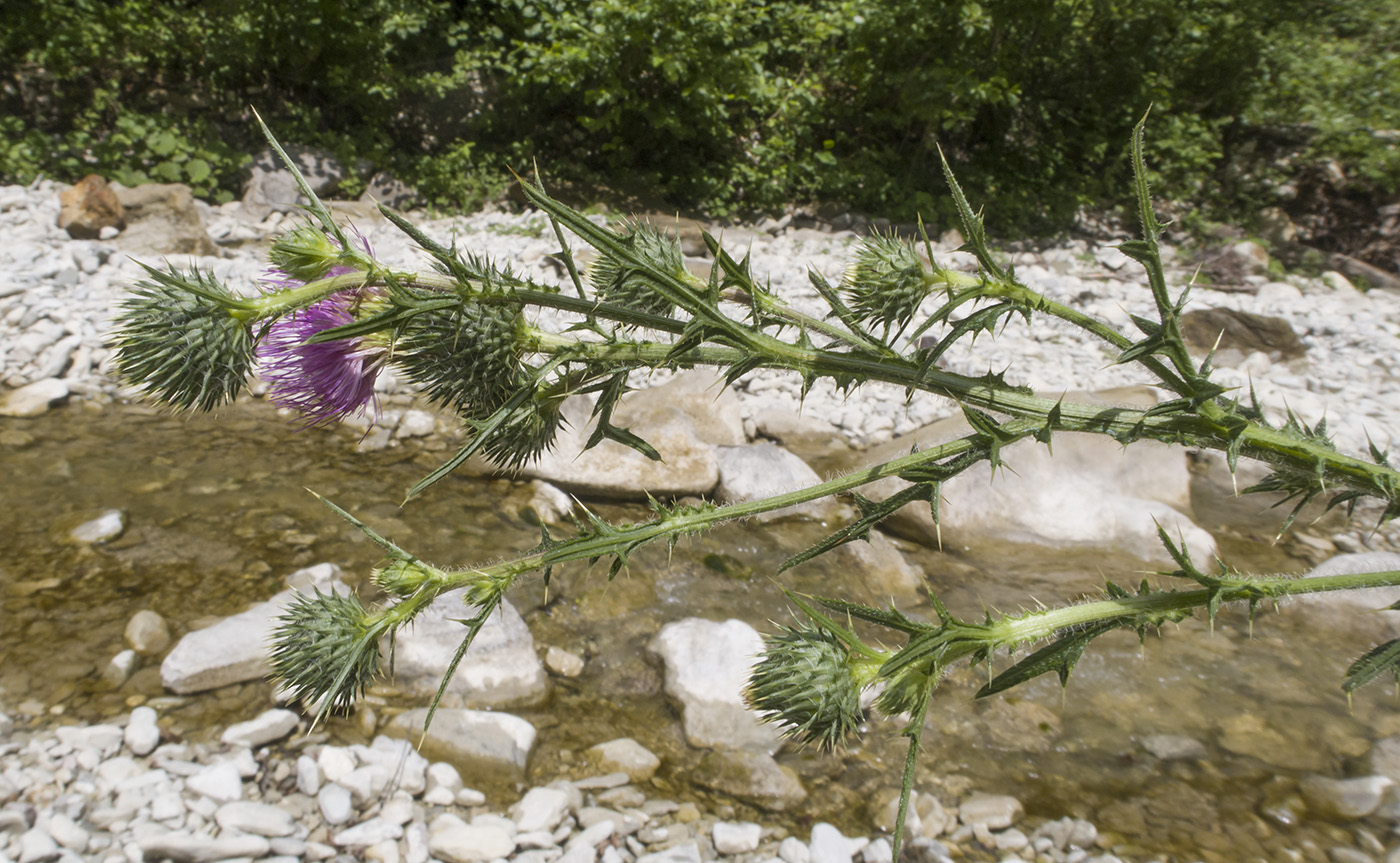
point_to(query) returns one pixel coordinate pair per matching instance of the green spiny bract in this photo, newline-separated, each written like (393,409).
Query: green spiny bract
(304,253)
(527,430)
(179,341)
(467,357)
(326,649)
(887,282)
(806,681)
(624,284)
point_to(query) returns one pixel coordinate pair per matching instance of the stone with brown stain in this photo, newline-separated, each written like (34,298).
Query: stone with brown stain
(89,206)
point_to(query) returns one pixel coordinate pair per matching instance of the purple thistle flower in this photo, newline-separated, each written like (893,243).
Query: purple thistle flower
(324,382)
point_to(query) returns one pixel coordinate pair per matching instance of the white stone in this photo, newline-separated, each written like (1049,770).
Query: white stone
(707,667)
(335,762)
(794,850)
(367,833)
(67,832)
(260,819)
(995,811)
(265,728)
(736,838)
(104,528)
(687,853)
(626,755)
(33,399)
(540,809)
(489,739)
(829,845)
(147,633)
(308,775)
(760,470)
(454,841)
(190,848)
(221,782)
(336,806)
(562,662)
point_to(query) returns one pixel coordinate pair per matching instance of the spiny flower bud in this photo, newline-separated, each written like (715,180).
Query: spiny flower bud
(528,431)
(887,282)
(466,357)
(403,577)
(624,284)
(305,253)
(326,648)
(807,682)
(179,339)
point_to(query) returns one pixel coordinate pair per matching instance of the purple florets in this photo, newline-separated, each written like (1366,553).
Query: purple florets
(324,382)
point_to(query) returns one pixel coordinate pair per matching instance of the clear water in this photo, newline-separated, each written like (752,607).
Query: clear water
(218,515)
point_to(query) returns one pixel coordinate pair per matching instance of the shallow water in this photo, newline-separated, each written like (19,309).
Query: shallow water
(218,515)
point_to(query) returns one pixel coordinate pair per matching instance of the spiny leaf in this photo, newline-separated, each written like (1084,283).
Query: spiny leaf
(1060,656)
(1378,660)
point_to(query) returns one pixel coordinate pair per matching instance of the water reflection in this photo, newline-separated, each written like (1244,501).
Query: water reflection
(217,515)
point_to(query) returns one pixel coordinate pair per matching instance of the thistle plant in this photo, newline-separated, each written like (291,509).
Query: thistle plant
(335,317)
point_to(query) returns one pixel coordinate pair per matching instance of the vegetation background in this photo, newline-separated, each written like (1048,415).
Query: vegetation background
(730,108)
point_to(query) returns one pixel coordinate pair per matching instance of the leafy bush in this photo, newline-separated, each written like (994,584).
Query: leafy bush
(738,106)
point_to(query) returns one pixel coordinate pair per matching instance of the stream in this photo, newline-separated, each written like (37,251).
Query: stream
(217,515)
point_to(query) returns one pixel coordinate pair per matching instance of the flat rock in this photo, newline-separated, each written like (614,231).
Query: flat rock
(501,669)
(1352,610)
(1343,799)
(33,399)
(259,819)
(699,395)
(162,219)
(141,734)
(105,528)
(470,740)
(147,633)
(235,649)
(751,776)
(625,755)
(707,667)
(266,727)
(1091,493)
(454,841)
(192,848)
(754,471)
(610,470)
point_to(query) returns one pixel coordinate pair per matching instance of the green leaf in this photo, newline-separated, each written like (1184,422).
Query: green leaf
(1377,661)
(197,170)
(1060,657)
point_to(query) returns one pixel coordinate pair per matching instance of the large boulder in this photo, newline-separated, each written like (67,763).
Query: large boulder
(1091,493)
(272,188)
(707,667)
(758,470)
(500,669)
(235,649)
(162,219)
(476,742)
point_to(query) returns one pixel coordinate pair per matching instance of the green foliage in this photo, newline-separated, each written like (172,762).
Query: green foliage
(731,106)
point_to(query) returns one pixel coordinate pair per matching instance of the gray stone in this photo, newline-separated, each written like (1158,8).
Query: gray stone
(260,819)
(147,633)
(501,669)
(794,850)
(707,667)
(471,740)
(736,838)
(191,848)
(120,668)
(233,650)
(760,470)
(627,756)
(1174,747)
(687,853)
(879,851)
(104,528)
(163,219)
(265,728)
(271,188)
(995,811)
(142,734)
(751,776)
(1351,610)
(562,662)
(1384,758)
(1343,799)
(308,775)
(33,399)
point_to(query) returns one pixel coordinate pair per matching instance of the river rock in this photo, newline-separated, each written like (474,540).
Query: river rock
(1352,610)
(688,852)
(1092,493)
(829,845)
(33,399)
(221,781)
(500,669)
(259,819)
(751,776)
(540,809)
(707,667)
(235,649)
(1174,747)
(147,633)
(994,811)
(699,395)
(104,528)
(452,840)
(470,740)
(754,471)
(141,734)
(268,726)
(611,470)
(1343,799)
(1235,334)
(194,848)
(736,838)
(88,206)
(625,755)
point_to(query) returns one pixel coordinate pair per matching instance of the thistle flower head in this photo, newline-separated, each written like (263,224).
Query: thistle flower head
(625,284)
(807,681)
(887,282)
(179,339)
(323,381)
(466,357)
(326,648)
